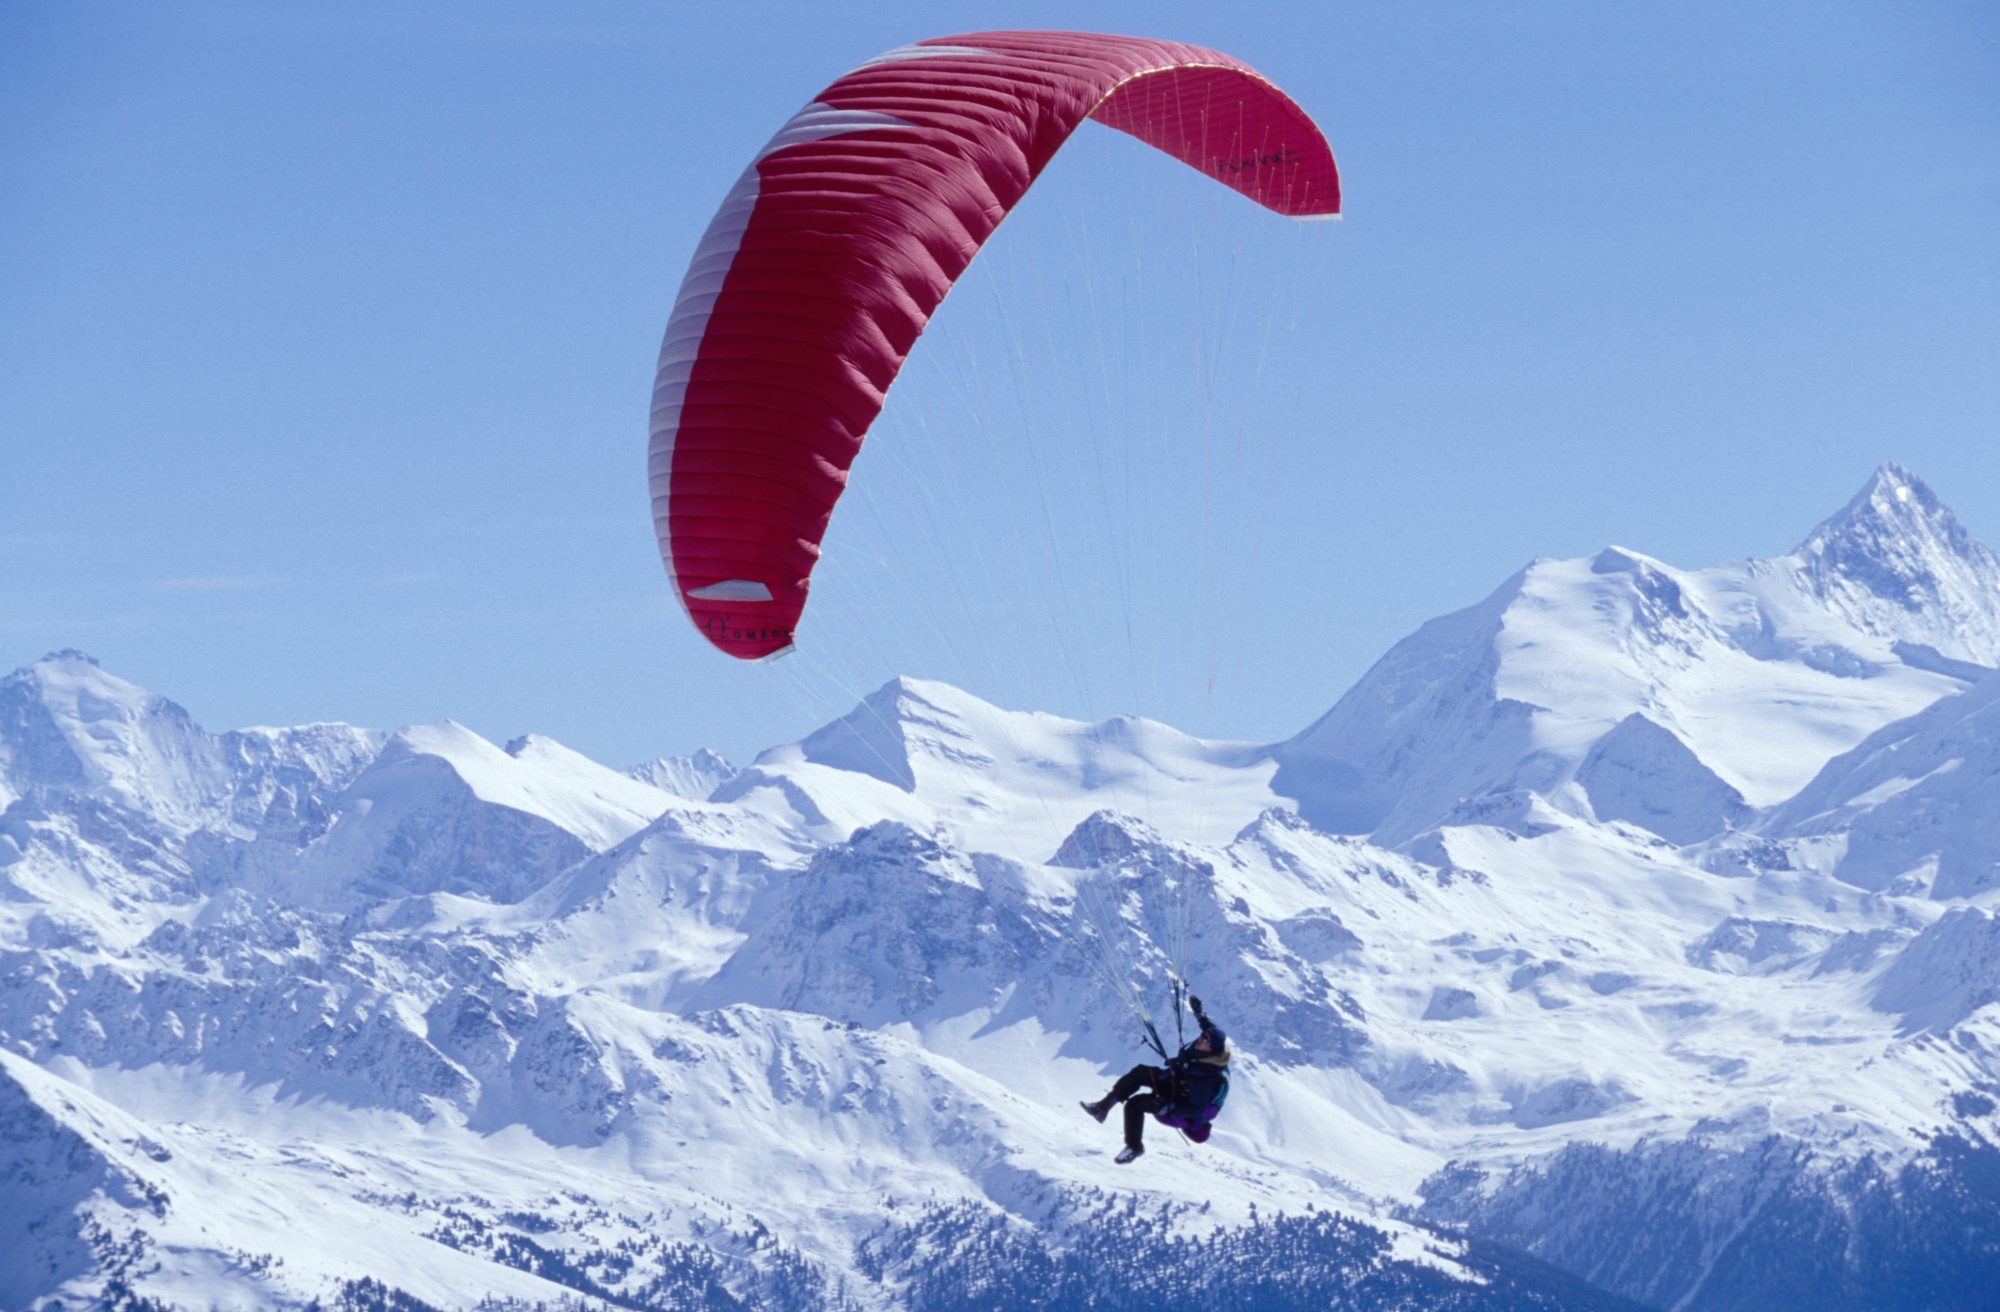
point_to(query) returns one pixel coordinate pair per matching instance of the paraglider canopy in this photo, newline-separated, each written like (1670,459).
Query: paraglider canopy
(829,255)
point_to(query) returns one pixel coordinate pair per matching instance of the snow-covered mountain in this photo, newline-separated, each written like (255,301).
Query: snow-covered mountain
(693,777)
(1626,939)
(70,729)
(1620,688)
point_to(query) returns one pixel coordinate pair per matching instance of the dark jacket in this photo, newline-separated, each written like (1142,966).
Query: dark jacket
(1200,1082)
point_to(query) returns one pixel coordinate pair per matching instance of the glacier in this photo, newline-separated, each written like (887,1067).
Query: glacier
(1625,939)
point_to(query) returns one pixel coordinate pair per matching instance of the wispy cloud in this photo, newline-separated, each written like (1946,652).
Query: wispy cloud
(31,540)
(59,627)
(413,579)
(219,583)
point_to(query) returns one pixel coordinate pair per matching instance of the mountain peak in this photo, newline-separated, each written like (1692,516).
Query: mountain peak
(70,656)
(693,777)
(1894,519)
(67,723)
(69,669)
(1893,503)
(875,738)
(1105,837)
(74,689)
(1895,550)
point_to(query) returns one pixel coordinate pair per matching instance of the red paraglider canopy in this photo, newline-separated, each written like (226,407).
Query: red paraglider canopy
(830,253)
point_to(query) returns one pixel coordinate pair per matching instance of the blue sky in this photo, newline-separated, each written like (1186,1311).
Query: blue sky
(328,331)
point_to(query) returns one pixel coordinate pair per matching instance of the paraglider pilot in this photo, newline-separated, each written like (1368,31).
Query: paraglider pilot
(1187,1094)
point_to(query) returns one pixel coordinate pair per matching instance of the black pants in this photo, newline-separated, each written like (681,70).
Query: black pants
(1139,1105)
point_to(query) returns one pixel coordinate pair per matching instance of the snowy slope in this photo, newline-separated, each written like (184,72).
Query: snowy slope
(1010,782)
(1915,806)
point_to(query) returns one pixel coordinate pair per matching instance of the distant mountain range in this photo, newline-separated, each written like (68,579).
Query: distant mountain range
(1627,939)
